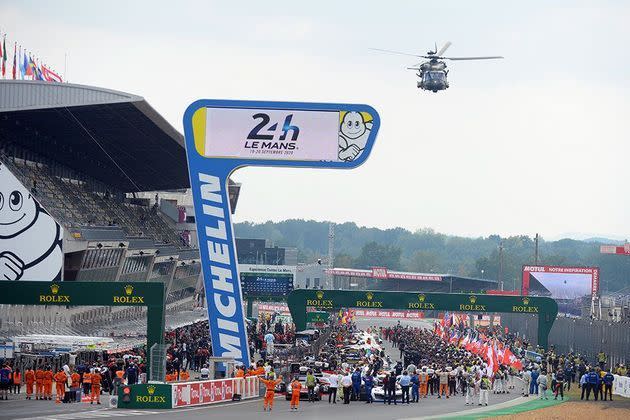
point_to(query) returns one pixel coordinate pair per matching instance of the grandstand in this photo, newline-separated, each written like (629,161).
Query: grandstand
(94,158)
(380,278)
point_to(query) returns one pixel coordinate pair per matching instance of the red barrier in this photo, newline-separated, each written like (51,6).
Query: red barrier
(211,392)
(388,314)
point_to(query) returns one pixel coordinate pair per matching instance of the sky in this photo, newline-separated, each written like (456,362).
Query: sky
(537,142)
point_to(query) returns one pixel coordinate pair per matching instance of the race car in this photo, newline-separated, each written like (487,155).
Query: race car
(304,389)
(378,393)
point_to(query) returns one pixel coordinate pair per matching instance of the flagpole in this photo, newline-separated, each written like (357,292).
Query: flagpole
(65,66)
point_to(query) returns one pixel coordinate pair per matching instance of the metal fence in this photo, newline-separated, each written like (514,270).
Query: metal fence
(578,335)
(157,369)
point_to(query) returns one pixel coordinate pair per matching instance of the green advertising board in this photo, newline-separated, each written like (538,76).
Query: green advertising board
(331,300)
(146,396)
(317,316)
(75,293)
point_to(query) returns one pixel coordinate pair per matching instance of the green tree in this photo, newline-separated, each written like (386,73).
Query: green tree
(344,261)
(376,255)
(425,262)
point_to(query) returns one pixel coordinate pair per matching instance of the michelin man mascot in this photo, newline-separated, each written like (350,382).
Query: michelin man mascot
(353,136)
(30,240)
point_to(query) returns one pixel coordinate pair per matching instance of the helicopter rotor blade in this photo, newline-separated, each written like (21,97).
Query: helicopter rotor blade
(443,49)
(490,57)
(413,68)
(396,52)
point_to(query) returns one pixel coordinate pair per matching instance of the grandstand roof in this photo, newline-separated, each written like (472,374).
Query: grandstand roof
(114,137)
(382,273)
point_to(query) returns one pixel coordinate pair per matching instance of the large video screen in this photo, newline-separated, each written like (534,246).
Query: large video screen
(560,283)
(266,284)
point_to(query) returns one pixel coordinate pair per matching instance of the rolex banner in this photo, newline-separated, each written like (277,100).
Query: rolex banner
(145,396)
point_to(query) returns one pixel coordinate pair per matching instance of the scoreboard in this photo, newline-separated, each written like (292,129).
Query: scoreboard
(266,284)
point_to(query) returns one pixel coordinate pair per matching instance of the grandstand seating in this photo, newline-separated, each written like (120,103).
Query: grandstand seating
(74,204)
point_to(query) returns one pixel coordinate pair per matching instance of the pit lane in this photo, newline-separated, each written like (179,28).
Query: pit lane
(431,406)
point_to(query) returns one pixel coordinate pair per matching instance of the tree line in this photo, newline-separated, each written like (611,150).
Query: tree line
(427,251)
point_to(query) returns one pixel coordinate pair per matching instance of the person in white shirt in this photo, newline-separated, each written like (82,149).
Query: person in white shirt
(346,383)
(334,379)
(269,338)
(205,372)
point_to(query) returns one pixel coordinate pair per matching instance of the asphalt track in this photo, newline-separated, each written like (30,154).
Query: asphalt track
(250,409)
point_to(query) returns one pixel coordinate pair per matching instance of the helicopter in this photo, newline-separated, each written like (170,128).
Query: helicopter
(433,74)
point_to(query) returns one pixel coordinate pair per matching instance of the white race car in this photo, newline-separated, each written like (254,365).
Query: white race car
(378,393)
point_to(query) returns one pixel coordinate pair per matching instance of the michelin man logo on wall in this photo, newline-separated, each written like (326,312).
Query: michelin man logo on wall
(30,240)
(354,131)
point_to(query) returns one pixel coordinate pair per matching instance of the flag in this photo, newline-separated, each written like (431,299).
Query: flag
(21,63)
(25,66)
(37,74)
(29,65)
(510,359)
(14,60)
(49,75)
(4,55)
(491,359)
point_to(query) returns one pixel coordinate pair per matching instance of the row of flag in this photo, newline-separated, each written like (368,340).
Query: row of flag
(453,319)
(25,65)
(493,352)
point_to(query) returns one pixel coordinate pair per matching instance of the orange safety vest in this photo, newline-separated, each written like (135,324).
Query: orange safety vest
(61,377)
(29,376)
(184,376)
(48,376)
(296,387)
(87,378)
(76,378)
(17,378)
(39,376)
(96,378)
(270,384)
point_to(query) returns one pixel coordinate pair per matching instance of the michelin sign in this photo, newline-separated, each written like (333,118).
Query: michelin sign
(30,239)
(222,136)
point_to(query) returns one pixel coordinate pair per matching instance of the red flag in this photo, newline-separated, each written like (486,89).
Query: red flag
(495,362)
(14,60)
(29,68)
(49,75)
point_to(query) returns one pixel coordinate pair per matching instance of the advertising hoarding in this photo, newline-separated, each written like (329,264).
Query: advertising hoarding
(224,135)
(30,239)
(189,394)
(563,283)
